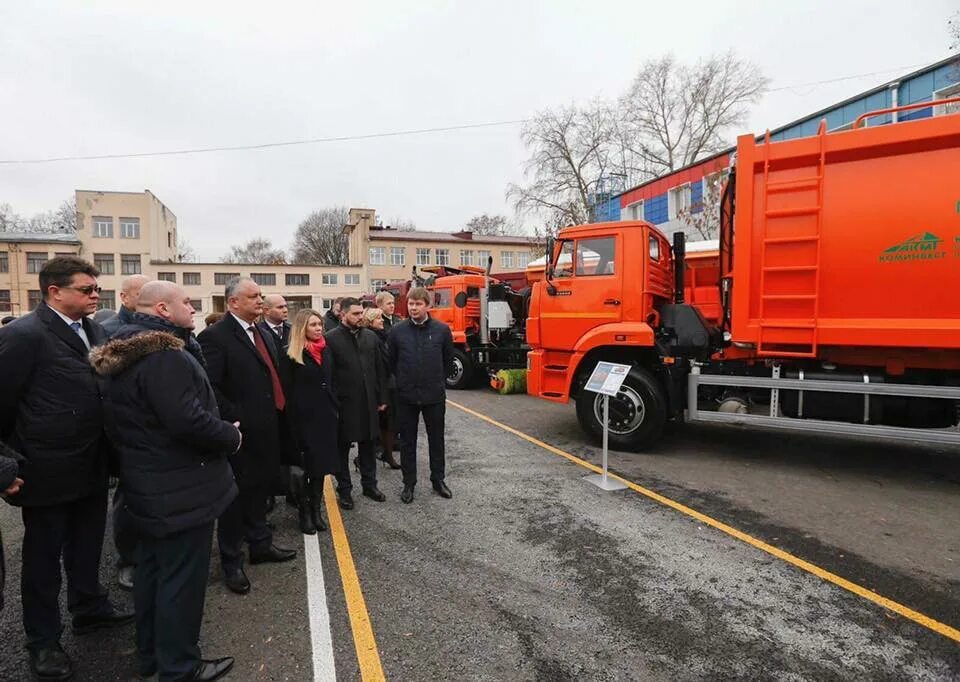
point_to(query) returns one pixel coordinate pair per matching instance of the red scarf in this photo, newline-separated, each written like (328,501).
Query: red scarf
(315,348)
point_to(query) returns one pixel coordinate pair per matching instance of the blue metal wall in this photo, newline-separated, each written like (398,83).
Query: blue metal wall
(696,196)
(656,210)
(607,211)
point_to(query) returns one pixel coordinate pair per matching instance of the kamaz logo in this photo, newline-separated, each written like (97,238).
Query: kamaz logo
(924,246)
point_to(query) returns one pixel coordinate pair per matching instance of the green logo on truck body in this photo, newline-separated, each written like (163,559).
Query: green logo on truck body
(924,246)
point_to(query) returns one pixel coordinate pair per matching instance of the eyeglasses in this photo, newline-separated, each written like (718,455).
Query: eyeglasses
(87,290)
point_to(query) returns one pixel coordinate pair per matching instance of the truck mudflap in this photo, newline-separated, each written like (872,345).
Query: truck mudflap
(774,419)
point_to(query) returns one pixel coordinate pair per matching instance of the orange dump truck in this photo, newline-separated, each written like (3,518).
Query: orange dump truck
(833,305)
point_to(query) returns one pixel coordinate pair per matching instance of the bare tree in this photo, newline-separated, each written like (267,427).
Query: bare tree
(491,225)
(571,151)
(64,219)
(185,251)
(257,250)
(675,114)
(10,221)
(703,217)
(320,239)
(402,224)
(953,27)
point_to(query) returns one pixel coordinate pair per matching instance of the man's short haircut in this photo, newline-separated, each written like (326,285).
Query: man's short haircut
(419,294)
(59,272)
(382,297)
(348,301)
(233,284)
(338,300)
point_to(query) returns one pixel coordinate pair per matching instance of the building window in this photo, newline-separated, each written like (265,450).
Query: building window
(326,303)
(130,264)
(378,255)
(443,256)
(264,279)
(466,257)
(506,260)
(221,278)
(351,280)
(328,279)
(129,228)
(192,278)
(167,276)
(35,261)
(423,256)
(33,299)
(483,258)
(398,255)
(523,259)
(104,262)
(107,300)
(196,305)
(634,211)
(4,262)
(297,280)
(376,284)
(169,240)
(102,226)
(4,300)
(680,200)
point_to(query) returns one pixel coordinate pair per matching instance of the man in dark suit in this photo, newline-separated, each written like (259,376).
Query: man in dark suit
(361,379)
(275,313)
(242,363)
(331,318)
(50,412)
(164,420)
(387,305)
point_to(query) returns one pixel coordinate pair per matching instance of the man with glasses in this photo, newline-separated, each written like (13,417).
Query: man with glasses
(50,412)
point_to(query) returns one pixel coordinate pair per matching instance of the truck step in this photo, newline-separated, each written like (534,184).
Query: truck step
(792,240)
(790,268)
(797,185)
(789,297)
(790,212)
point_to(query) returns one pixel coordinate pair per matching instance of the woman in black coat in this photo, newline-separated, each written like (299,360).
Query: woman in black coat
(374,321)
(313,410)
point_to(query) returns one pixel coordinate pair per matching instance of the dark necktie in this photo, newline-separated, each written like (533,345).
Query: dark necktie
(278,399)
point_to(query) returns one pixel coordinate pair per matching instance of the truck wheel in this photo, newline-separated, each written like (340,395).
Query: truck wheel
(461,375)
(637,413)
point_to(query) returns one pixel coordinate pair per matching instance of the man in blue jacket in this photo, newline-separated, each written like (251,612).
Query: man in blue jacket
(421,354)
(162,415)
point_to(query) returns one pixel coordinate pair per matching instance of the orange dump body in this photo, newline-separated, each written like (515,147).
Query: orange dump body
(848,245)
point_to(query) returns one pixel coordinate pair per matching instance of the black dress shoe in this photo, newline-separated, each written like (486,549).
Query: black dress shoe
(442,489)
(211,670)
(51,663)
(112,618)
(146,671)
(272,555)
(388,459)
(345,500)
(374,494)
(407,495)
(237,581)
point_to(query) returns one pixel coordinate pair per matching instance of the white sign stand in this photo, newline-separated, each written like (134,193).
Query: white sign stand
(606,379)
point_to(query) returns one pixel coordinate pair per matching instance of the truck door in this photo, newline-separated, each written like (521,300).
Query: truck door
(587,290)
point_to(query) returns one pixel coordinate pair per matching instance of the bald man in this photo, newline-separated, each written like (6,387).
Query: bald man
(130,289)
(275,313)
(176,480)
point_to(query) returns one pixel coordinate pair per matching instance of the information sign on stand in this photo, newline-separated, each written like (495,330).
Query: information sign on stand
(606,379)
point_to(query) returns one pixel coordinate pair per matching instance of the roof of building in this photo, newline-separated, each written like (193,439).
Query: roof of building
(40,237)
(247,266)
(462,237)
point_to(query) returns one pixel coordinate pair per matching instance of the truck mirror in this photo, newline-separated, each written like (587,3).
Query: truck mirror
(548,266)
(460,300)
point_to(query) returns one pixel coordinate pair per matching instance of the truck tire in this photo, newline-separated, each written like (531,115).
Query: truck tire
(462,375)
(637,414)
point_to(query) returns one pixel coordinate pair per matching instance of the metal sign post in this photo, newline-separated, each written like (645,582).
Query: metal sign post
(606,380)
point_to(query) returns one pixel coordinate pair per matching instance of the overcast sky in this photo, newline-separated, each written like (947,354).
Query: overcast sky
(116,77)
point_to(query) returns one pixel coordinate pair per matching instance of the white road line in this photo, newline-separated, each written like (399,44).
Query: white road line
(321,641)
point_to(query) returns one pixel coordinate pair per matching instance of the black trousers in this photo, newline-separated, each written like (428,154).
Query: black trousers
(71,532)
(168,592)
(408,416)
(124,534)
(244,519)
(366,460)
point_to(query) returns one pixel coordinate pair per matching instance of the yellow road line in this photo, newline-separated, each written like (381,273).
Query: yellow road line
(366,644)
(906,612)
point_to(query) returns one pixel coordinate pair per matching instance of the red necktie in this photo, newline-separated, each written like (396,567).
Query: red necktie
(278,398)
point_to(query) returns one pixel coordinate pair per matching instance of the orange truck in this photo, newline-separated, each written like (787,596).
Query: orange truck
(831,304)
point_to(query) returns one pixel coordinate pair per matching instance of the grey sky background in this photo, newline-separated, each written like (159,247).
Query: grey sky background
(118,77)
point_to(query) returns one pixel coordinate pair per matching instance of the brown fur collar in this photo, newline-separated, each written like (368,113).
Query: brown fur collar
(120,354)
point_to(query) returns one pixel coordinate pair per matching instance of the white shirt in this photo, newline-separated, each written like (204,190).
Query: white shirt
(246,327)
(81,332)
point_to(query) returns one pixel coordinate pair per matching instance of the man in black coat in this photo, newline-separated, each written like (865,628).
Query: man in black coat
(129,295)
(331,318)
(162,416)
(10,483)
(421,354)
(242,363)
(360,378)
(50,412)
(275,313)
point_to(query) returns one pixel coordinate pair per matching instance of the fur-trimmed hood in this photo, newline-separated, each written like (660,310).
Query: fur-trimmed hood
(120,354)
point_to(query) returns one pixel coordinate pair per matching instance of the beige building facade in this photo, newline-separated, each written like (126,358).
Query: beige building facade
(387,254)
(22,255)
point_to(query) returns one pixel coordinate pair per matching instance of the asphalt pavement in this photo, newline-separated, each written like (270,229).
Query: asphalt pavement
(531,573)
